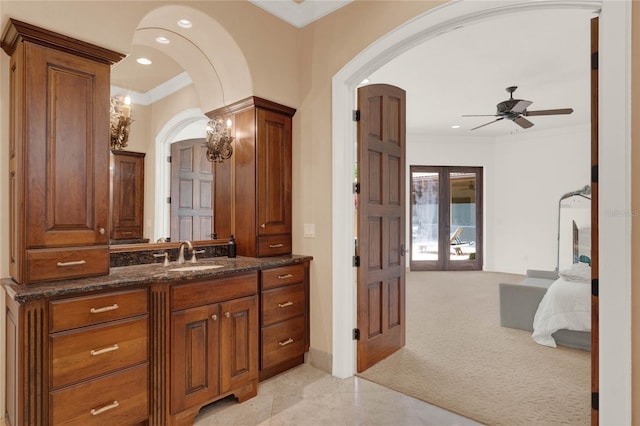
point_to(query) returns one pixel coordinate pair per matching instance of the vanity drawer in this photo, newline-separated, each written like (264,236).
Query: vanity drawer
(56,264)
(123,233)
(88,310)
(274,245)
(97,350)
(117,399)
(214,291)
(282,341)
(282,303)
(278,277)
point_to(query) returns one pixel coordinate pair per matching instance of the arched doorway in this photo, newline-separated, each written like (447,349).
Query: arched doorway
(614,26)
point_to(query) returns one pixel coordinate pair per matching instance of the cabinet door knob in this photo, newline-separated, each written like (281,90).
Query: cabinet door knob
(101,231)
(214,317)
(227,314)
(264,225)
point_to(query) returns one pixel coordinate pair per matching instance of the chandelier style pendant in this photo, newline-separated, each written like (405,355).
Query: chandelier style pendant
(219,140)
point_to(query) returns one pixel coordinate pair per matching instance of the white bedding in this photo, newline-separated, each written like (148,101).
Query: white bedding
(566,305)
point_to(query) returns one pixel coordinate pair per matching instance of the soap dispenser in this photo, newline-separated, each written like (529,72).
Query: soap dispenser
(231,247)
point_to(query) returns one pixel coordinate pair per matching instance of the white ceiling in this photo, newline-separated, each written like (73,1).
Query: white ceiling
(463,71)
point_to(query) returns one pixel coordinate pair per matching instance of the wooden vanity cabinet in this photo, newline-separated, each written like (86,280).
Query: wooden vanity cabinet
(260,170)
(127,195)
(284,318)
(214,343)
(79,360)
(58,155)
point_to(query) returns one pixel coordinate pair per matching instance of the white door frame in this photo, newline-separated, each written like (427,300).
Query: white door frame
(614,180)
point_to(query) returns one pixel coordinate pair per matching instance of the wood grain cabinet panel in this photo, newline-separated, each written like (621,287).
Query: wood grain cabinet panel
(260,217)
(92,351)
(214,343)
(117,399)
(284,318)
(282,303)
(127,195)
(59,146)
(97,308)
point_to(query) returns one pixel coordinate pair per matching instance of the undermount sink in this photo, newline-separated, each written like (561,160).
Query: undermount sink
(195,268)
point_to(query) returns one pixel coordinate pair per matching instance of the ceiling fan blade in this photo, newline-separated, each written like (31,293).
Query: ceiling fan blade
(521,106)
(480,115)
(549,112)
(486,124)
(523,122)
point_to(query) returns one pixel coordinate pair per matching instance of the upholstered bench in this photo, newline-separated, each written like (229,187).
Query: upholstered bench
(519,303)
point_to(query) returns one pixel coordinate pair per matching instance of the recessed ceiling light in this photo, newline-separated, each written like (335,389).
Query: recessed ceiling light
(455,126)
(162,40)
(185,23)
(144,61)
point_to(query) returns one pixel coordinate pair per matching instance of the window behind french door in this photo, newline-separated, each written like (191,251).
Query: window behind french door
(446,218)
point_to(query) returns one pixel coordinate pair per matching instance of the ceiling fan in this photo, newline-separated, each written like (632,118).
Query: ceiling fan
(516,109)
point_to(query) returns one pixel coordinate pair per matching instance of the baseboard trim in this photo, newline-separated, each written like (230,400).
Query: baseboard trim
(320,359)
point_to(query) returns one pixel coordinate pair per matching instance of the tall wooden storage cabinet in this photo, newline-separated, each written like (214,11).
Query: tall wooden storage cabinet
(256,181)
(58,155)
(127,195)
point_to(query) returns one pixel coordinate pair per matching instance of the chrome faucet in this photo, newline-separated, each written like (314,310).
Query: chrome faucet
(181,252)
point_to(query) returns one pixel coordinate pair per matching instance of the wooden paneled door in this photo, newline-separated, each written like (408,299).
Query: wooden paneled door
(191,191)
(381,223)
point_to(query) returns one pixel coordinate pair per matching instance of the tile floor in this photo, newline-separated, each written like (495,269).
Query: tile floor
(306,396)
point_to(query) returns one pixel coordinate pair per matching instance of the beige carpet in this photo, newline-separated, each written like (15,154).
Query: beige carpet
(459,358)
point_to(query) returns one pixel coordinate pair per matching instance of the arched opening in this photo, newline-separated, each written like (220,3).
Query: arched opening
(615,141)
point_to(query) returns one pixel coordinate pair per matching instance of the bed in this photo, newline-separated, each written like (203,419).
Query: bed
(566,305)
(519,304)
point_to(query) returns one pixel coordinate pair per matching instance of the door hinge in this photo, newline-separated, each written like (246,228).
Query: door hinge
(594,174)
(168,200)
(356,334)
(594,61)
(595,400)
(356,261)
(168,158)
(356,188)
(356,115)
(594,287)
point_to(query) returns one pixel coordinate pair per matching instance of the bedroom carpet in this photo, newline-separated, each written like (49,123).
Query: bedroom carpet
(459,358)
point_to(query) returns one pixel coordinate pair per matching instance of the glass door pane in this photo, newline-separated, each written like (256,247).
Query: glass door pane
(425,207)
(462,238)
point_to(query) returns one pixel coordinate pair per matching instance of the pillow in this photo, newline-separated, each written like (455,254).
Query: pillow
(578,272)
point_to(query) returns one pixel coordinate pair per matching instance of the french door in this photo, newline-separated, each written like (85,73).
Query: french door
(446,218)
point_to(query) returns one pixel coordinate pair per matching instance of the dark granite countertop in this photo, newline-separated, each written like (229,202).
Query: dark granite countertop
(136,275)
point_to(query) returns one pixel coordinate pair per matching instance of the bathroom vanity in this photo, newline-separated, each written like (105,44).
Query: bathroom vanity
(151,345)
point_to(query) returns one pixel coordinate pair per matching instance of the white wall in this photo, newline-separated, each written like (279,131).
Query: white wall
(525,174)
(533,170)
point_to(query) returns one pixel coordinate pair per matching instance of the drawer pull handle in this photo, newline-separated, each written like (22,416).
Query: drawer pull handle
(104,309)
(285,276)
(275,245)
(95,352)
(284,305)
(286,342)
(96,411)
(73,263)
(214,317)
